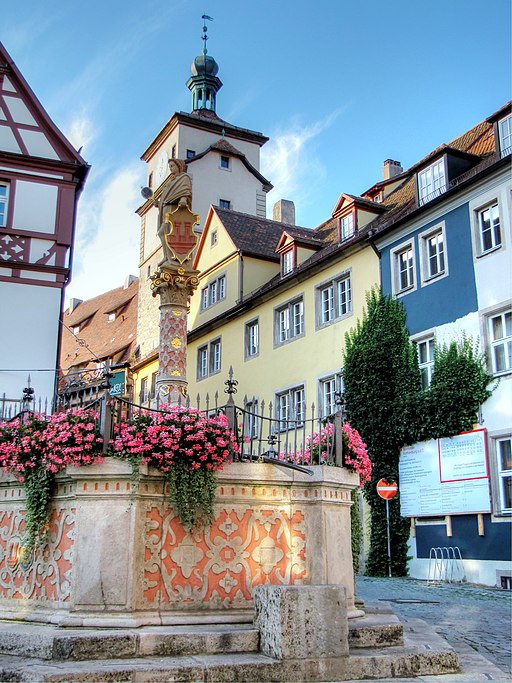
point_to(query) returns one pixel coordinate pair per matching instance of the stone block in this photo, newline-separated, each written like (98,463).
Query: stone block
(299,622)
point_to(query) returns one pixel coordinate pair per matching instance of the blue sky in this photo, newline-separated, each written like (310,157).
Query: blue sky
(338,87)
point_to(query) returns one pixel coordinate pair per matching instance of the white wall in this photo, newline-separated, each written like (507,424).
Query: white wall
(28,338)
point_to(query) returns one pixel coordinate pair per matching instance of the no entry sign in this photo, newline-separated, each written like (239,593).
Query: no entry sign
(387,490)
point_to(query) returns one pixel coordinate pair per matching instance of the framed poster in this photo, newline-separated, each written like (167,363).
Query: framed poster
(445,476)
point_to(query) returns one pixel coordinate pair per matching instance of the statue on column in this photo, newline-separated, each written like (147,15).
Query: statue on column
(177,193)
(175,280)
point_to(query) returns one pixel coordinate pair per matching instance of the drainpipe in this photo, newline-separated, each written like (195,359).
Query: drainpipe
(377,252)
(240,276)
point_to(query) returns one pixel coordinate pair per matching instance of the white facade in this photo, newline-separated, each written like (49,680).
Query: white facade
(41,176)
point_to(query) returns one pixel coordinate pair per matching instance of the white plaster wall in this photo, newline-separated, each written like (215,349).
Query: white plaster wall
(35,207)
(211,183)
(28,338)
(493,271)
(199,140)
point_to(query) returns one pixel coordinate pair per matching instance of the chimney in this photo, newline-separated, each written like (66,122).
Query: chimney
(284,212)
(391,169)
(129,280)
(73,303)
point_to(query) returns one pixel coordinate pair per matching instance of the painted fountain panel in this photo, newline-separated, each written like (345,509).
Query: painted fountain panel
(117,556)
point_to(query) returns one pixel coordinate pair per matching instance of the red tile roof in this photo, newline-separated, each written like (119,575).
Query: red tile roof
(100,338)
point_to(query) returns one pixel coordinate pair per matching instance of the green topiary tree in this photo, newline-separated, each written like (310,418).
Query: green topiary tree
(382,387)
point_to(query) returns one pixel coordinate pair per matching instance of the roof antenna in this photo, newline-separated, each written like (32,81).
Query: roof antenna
(204,37)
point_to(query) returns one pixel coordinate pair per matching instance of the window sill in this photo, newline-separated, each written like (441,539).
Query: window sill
(483,254)
(432,278)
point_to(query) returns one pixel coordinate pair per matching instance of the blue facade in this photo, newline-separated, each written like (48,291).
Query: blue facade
(496,542)
(445,299)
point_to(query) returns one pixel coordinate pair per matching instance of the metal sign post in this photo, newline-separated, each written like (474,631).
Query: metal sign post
(387,491)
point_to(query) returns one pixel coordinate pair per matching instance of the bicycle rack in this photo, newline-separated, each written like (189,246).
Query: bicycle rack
(445,565)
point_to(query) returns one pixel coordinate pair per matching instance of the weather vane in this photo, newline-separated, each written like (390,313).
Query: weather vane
(205,18)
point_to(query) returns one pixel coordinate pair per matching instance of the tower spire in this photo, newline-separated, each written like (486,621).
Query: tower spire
(204,83)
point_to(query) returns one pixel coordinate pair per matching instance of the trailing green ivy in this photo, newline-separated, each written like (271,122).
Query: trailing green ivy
(386,404)
(459,386)
(382,379)
(356,531)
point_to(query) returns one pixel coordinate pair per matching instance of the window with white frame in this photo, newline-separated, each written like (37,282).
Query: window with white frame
(289,321)
(403,268)
(505,131)
(251,422)
(215,355)
(290,407)
(500,339)
(347,226)
(334,299)
(330,388)
(489,230)
(431,182)
(287,262)
(252,339)
(209,359)
(425,349)
(214,237)
(433,253)
(504,471)
(4,203)
(213,292)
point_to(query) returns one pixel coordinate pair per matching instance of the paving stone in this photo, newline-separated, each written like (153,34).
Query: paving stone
(465,615)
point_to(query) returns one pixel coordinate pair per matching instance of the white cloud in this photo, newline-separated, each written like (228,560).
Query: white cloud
(107,237)
(289,163)
(80,130)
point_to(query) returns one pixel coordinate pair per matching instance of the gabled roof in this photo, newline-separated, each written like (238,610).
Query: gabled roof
(226,147)
(103,338)
(478,142)
(205,120)
(300,236)
(27,129)
(349,199)
(256,236)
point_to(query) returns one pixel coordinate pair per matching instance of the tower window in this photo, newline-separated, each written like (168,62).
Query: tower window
(224,162)
(190,153)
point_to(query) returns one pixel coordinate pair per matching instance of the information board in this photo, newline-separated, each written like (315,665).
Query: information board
(445,476)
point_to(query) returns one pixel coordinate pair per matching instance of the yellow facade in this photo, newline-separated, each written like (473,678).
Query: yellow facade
(303,361)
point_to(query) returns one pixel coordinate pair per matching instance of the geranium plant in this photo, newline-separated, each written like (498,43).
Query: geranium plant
(188,447)
(35,448)
(355,454)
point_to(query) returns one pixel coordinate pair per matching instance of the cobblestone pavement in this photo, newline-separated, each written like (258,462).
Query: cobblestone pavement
(469,617)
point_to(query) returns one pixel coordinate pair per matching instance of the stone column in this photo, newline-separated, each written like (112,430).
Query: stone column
(174,286)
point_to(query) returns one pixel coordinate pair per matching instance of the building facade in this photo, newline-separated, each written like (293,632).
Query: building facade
(448,257)
(41,177)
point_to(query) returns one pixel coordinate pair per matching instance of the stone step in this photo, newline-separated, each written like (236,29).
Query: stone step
(47,642)
(422,654)
(375,630)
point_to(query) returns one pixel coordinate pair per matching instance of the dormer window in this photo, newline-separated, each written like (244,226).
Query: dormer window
(111,316)
(347,226)
(431,182)
(287,262)
(505,133)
